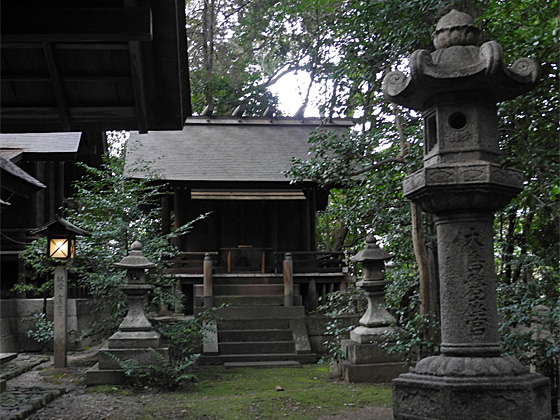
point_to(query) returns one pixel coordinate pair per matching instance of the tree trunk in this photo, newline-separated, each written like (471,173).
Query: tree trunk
(427,270)
(208,26)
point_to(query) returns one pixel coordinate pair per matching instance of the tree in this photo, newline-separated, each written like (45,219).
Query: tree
(371,38)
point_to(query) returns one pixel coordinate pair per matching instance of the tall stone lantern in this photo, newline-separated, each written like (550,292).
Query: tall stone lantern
(456,88)
(366,359)
(135,336)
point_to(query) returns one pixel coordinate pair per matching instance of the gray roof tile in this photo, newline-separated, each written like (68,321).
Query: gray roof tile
(221,152)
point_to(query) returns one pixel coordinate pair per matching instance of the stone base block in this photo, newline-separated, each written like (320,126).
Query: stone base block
(372,373)
(363,354)
(134,340)
(470,389)
(109,358)
(96,376)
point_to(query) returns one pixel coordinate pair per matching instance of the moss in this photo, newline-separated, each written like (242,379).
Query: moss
(307,393)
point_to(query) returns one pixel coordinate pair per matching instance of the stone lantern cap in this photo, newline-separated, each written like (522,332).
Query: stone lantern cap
(459,65)
(136,259)
(371,253)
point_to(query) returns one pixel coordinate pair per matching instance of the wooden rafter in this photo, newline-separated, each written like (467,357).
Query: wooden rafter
(77,25)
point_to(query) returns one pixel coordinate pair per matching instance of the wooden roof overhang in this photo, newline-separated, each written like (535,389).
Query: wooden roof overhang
(40,146)
(16,181)
(93,65)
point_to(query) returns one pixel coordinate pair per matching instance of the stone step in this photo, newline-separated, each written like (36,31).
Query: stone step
(243,290)
(260,313)
(247,358)
(262,347)
(244,279)
(245,335)
(248,301)
(254,324)
(262,365)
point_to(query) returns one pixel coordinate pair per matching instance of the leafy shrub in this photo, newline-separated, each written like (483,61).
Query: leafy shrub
(164,373)
(335,306)
(44,329)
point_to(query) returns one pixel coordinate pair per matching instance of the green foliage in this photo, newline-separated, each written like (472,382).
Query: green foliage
(44,329)
(336,307)
(163,373)
(406,339)
(530,329)
(184,339)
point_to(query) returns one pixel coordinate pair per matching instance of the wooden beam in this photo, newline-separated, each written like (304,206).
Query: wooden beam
(66,46)
(57,86)
(139,86)
(73,79)
(76,24)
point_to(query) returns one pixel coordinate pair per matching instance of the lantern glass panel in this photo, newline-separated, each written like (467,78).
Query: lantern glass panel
(61,248)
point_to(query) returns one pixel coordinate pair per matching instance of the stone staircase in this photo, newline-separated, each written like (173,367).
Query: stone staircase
(255,331)
(245,289)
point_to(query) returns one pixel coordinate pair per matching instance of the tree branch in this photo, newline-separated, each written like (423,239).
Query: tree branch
(398,159)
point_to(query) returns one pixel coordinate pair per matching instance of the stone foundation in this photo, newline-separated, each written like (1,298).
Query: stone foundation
(464,387)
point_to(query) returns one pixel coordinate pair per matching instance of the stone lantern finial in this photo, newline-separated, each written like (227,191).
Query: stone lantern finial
(455,28)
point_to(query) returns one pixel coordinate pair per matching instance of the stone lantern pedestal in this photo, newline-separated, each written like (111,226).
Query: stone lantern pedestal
(135,338)
(366,360)
(456,88)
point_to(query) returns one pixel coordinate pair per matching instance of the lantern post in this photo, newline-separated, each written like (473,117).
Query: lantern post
(61,246)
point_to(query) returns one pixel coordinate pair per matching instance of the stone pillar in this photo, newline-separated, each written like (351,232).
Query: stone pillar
(60,316)
(366,360)
(456,88)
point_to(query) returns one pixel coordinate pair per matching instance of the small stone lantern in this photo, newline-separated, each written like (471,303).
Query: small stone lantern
(135,337)
(366,360)
(135,289)
(373,284)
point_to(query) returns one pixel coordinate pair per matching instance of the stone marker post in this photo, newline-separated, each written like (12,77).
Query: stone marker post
(60,316)
(456,88)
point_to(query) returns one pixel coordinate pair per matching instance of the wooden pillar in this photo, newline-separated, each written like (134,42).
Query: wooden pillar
(58,199)
(178,292)
(181,203)
(166,214)
(208,287)
(288,275)
(306,240)
(312,295)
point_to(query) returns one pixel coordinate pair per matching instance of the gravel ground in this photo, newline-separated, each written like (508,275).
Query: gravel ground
(79,404)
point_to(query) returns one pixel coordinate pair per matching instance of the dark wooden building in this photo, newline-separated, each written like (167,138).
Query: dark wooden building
(36,175)
(233,169)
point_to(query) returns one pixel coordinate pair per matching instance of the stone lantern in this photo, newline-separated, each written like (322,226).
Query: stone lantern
(366,360)
(456,89)
(135,336)
(135,324)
